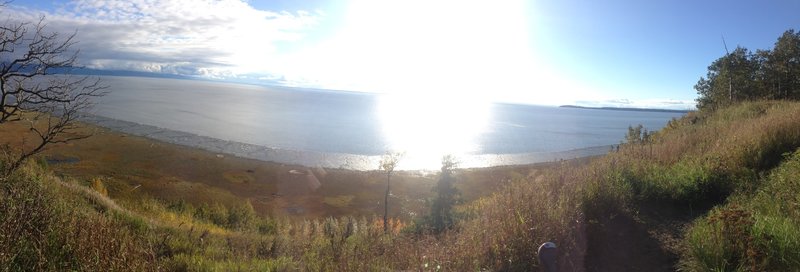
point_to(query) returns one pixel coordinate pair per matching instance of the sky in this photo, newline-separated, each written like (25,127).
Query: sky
(590,53)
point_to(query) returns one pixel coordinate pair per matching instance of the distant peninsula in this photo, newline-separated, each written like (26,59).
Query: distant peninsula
(624,109)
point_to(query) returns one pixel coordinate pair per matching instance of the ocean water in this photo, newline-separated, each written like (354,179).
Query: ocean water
(351,130)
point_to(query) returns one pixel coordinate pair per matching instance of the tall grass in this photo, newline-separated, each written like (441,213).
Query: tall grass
(730,158)
(500,232)
(41,230)
(706,156)
(700,161)
(752,233)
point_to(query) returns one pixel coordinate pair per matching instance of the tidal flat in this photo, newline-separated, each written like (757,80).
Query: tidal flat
(132,166)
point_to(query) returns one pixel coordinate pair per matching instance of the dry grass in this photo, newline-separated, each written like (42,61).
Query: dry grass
(656,193)
(158,235)
(40,229)
(694,164)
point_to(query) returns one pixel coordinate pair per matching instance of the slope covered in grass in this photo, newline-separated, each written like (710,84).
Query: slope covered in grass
(758,231)
(48,227)
(714,191)
(50,223)
(667,185)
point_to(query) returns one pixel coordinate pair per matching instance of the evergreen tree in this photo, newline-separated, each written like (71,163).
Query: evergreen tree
(785,66)
(729,79)
(743,75)
(442,216)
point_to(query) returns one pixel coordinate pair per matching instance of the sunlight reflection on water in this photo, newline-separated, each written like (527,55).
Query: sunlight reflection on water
(417,161)
(320,128)
(427,128)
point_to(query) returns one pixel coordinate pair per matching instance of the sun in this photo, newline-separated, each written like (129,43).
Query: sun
(426,128)
(424,47)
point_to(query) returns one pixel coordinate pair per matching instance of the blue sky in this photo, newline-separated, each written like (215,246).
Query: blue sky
(614,53)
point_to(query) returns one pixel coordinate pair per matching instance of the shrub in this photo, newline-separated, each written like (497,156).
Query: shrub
(241,216)
(724,241)
(97,185)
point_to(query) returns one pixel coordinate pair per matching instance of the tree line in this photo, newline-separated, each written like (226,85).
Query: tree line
(743,75)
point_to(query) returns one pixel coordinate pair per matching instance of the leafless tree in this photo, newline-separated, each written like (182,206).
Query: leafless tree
(36,91)
(388,163)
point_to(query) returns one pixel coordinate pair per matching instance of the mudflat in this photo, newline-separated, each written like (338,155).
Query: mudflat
(131,165)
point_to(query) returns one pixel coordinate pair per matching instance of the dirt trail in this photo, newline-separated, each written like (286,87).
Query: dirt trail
(104,201)
(619,243)
(649,241)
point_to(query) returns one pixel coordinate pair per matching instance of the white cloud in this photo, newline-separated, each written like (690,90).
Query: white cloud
(213,38)
(446,48)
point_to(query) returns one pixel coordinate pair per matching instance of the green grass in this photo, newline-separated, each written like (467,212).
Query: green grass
(714,191)
(176,235)
(707,156)
(705,160)
(46,227)
(752,232)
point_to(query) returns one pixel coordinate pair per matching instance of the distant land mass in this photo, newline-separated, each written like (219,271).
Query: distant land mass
(124,73)
(624,109)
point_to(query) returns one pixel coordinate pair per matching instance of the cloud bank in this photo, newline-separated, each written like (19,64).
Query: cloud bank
(215,39)
(474,52)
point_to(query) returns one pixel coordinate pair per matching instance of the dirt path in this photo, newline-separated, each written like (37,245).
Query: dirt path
(618,242)
(106,202)
(649,241)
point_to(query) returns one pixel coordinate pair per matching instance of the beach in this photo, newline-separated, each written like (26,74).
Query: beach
(131,166)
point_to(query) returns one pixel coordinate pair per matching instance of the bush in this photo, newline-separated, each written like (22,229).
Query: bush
(97,185)
(724,241)
(241,216)
(215,213)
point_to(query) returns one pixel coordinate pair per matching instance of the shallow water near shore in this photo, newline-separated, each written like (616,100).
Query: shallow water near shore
(347,130)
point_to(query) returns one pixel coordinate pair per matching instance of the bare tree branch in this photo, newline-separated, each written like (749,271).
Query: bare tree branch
(34,88)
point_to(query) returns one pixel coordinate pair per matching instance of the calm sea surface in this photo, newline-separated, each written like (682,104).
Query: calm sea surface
(351,130)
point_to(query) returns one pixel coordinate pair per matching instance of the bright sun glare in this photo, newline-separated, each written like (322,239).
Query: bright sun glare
(425,129)
(438,62)
(424,47)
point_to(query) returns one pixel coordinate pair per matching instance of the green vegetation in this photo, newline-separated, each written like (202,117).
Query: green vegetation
(743,75)
(713,191)
(717,190)
(754,232)
(704,173)
(176,235)
(48,227)
(442,216)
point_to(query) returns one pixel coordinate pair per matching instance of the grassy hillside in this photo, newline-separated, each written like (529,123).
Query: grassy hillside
(712,191)
(179,236)
(673,193)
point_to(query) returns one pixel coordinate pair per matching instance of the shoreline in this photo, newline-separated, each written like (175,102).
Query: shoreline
(135,168)
(327,160)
